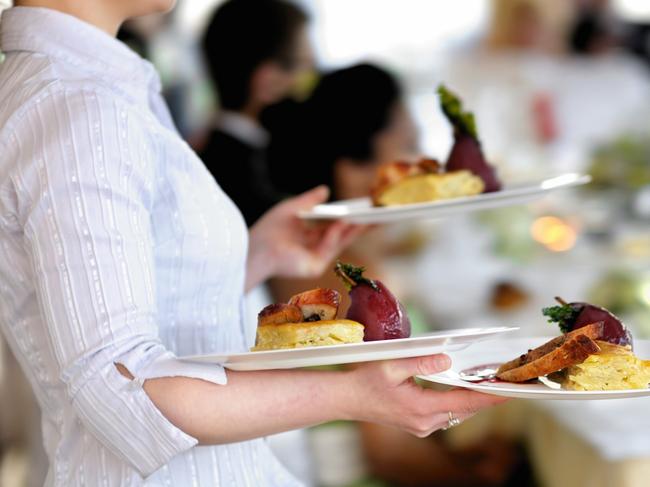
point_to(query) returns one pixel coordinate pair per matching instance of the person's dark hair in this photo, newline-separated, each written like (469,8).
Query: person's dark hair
(590,32)
(352,105)
(348,108)
(242,35)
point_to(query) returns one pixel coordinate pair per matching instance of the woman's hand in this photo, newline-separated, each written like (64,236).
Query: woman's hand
(385,393)
(283,245)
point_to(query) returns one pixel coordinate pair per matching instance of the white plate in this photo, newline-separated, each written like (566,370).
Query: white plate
(360,210)
(504,349)
(416,346)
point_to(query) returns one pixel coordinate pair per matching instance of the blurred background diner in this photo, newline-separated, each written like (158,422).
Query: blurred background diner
(279,96)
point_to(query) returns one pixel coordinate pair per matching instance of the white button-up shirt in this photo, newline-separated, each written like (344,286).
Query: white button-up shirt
(116,246)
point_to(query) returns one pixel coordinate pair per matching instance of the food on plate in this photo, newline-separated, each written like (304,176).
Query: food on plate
(559,353)
(466,173)
(466,153)
(317,304)
(277,314)
(403,183)
(594,356)
(374,305)
(391,173)
(615,367)
(309,319)
(571,316)
(307,334)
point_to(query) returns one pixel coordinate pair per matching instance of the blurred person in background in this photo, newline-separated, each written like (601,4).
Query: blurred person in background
(120,253)
(597,31)
(534,101)
(257,51)
(528,25)
(354,120)
(594,29)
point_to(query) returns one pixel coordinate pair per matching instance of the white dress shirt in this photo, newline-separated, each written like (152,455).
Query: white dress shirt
(116,246)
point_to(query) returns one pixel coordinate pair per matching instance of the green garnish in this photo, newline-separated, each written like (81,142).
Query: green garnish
(563,315)
(352,275)
(452,107)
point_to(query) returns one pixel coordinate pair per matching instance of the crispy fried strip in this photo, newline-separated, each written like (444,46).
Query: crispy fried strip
(593,331)
(573,351)
(278,314)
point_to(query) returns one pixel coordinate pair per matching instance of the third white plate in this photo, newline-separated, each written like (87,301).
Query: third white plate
(361,210)
(504,349)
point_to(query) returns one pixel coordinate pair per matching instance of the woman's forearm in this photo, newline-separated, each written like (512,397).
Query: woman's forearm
(256,404)
(252,404)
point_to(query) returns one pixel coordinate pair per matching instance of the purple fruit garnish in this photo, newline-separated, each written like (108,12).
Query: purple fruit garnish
(571,316)
(466,154)
(373,305)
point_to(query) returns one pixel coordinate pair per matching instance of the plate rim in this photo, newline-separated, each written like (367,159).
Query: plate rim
(508,389)
(529,188)
(269,355)
(547,393)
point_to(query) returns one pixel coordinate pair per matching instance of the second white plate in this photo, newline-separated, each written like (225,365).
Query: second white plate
(504,349)
(416,346)
(361,210)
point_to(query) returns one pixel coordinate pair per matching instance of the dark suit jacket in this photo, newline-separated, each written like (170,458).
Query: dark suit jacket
(241,171)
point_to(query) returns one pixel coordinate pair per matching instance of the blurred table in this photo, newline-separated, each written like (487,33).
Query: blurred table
(571,443)
(563,456)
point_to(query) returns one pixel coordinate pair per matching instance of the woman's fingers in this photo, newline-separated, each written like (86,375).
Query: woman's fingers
(329,245)
(462,404)
(399,370)
(336,238)
(464,401)
(310,198)
(388,394)
(351,233)
(441,421)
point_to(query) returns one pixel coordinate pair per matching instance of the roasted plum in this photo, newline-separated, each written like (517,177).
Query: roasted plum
(317,304)
(571,316)
(373,305)
(466,154)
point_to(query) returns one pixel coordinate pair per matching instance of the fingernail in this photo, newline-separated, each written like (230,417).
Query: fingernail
(442,362)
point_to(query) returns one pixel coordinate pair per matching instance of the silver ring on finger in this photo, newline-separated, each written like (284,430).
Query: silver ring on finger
(452,421)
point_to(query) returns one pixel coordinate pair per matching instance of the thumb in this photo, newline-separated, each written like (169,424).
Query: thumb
(310,198)
(403,369)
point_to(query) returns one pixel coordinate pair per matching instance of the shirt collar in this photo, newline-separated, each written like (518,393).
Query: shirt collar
(243,128)
(75,42)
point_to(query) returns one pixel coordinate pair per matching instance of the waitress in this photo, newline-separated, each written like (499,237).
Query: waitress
(119,252)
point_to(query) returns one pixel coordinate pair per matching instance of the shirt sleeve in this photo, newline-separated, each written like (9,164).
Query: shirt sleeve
(85,178)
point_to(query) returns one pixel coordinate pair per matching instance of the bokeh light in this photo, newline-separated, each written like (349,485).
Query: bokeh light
(554,233)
